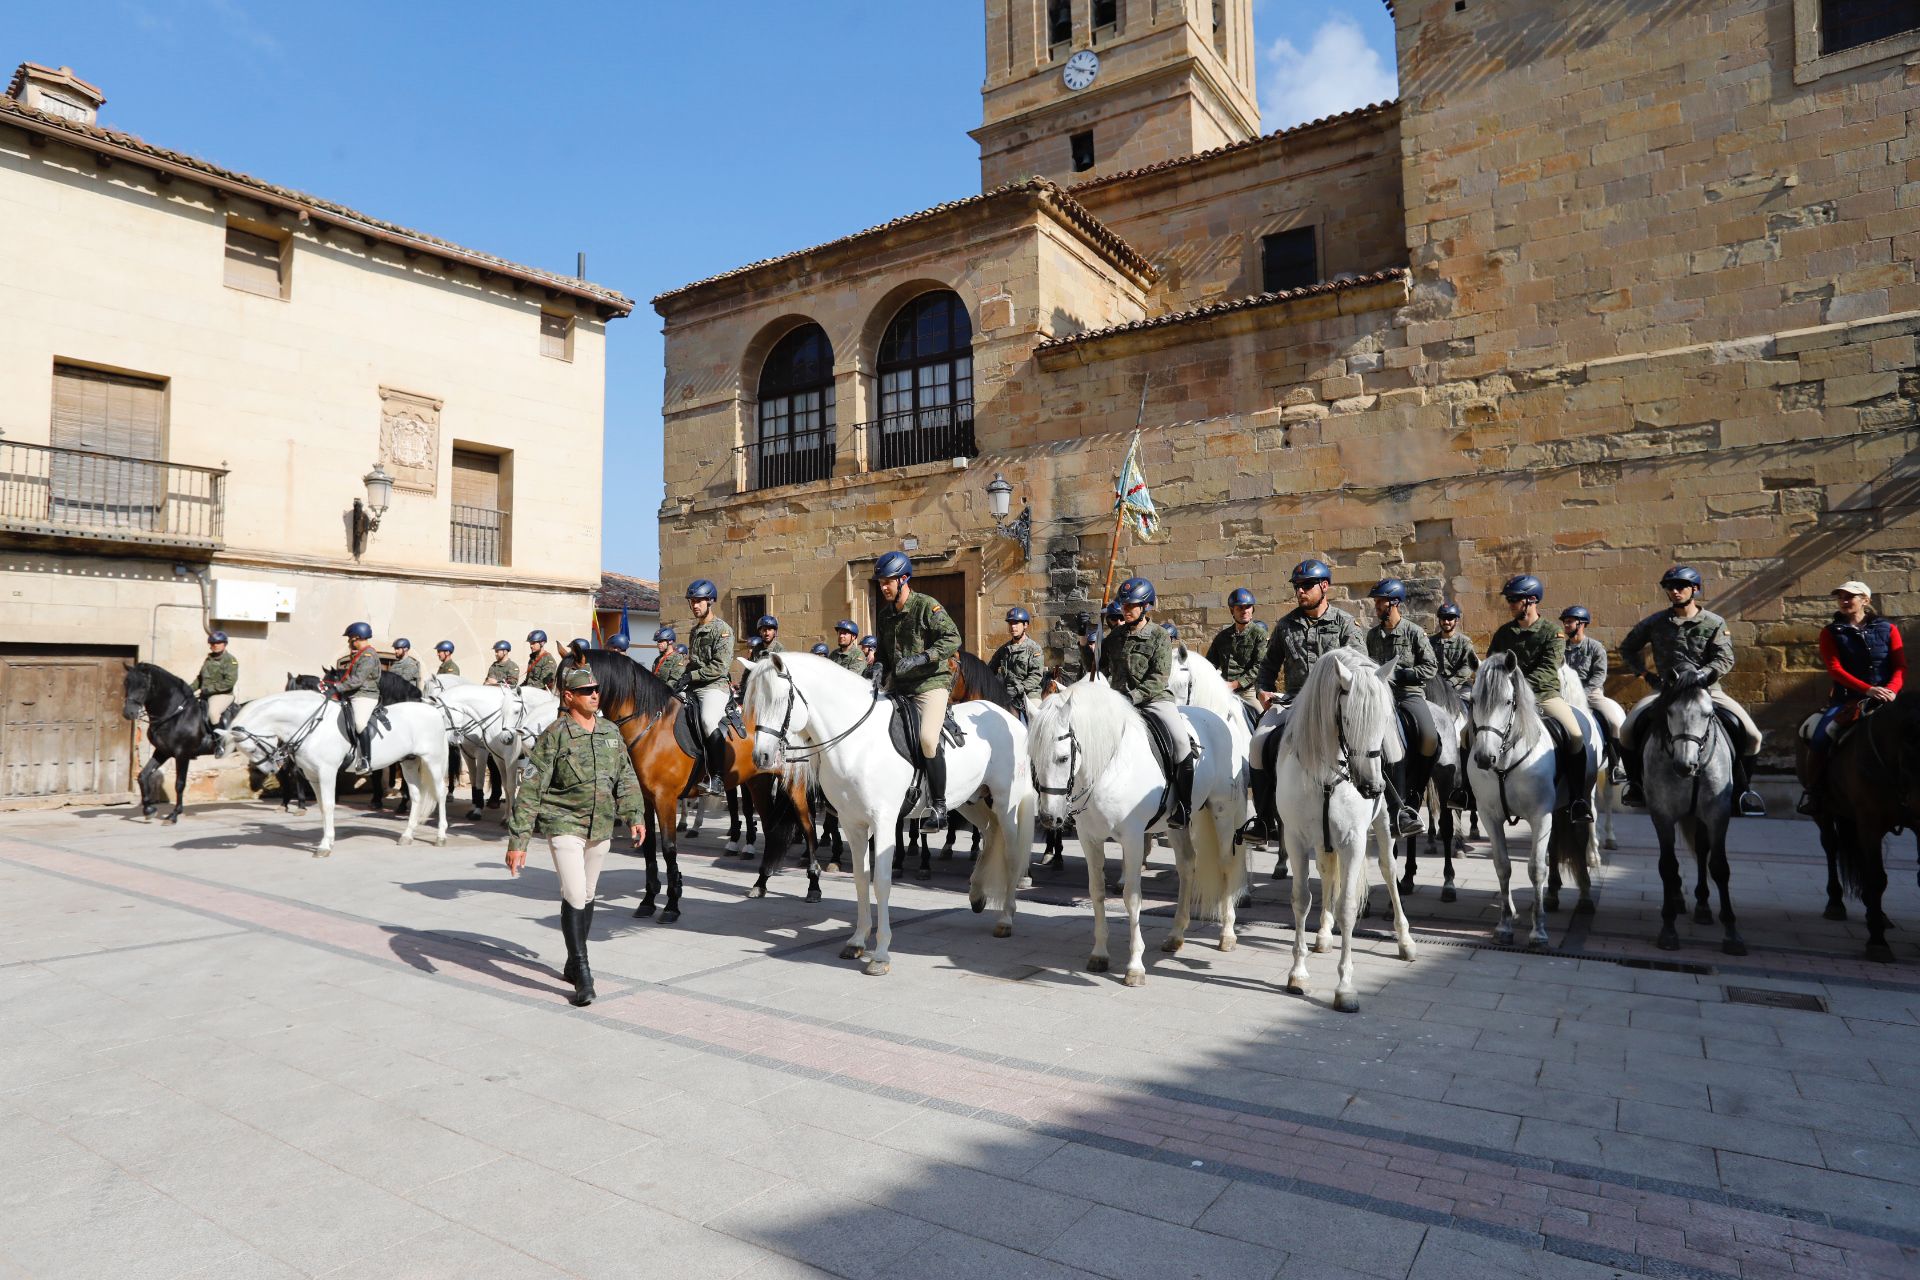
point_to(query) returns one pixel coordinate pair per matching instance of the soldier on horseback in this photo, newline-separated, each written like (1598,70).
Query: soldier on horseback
(361,687)
(709,657)
(1864,654)
(917,637)
(846,653)
(219,673)
(1237,650)
(667,663)
(870,649)
(1539,648)
(1019,661)
(1686,635)
(1588,658)
(619,643)
(504,671)
(766,638)
(1137,658)
(447,667)
(1313,628)
(405,665)
(1395,637)
(1452,651)
(543,669)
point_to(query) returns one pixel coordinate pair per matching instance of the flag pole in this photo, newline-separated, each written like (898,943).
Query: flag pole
(1113,548)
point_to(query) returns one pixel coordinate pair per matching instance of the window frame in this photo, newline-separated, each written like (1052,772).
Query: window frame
(1073,151)
(789,411)
(258,231)
(1318,274)
(1112,23)
(570,323)
(1810,64)
(942,380)
(1056,9)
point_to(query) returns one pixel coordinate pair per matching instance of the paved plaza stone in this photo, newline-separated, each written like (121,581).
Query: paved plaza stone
(224,1057)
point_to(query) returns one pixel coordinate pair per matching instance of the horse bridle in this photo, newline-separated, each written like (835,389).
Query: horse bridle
(1506,745)
(1068,736)
(1342,773)
(282,751)
(795,693)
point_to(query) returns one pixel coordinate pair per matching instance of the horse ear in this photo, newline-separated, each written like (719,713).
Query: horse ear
(1385,670)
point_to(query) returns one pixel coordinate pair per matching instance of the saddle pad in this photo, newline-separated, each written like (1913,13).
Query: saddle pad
(1157,738)
(904,730)
(683,733)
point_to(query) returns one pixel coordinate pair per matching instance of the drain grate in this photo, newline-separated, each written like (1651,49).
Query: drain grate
(1768,998)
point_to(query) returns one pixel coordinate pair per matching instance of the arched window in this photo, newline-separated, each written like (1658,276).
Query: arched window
(926,383)
(794,444)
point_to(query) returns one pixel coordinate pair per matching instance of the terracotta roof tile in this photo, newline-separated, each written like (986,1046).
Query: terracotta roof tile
(1212,309)
(1357,113)
(98,138)
(1046,190)
(619,590)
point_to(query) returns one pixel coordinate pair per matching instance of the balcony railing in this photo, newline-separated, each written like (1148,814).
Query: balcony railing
(799,457)
(928,434)
(79,494)
(480,535)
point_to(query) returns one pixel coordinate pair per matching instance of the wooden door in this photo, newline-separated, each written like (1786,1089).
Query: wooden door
(950,589)
(61,732)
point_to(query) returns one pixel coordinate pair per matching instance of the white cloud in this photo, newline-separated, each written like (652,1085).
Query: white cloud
(1338,71)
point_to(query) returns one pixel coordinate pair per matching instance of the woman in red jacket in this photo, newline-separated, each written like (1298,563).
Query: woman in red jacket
(1863,654)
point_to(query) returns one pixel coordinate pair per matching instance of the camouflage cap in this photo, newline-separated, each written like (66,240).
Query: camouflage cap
(580,678)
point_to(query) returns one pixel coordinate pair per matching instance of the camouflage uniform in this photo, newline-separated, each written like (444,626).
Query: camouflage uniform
(408,669)
(361,687)
(1299,641)
(1238,653)
(758,649)
(1701,642)
(543,672)
(1137,661)
(504,671)
(922,626)
(670,667)
(1021,664)
(850,658)
(219,673)
(1408,645)
(448,667)
(1588,659)
(709,655)
(1456,659)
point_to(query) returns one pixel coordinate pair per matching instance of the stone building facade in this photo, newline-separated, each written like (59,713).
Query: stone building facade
(1612,285)
(200,371)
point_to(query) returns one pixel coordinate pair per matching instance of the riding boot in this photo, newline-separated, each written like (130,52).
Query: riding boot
(1419,774)
(1616,762)
(1630,763)
(716,762)
(1816,768)
(1265,825)
(1748,803)
(362,758)
(571,973)
(1573,767)
(1406,818)
(583,975)
(1180,804)
(935,818)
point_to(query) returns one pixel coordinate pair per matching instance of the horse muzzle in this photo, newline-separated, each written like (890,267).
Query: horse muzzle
(1484,760)
(1053,821)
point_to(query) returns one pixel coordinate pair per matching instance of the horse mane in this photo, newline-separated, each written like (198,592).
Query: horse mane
(1314,726)
(1099,718)
(985,683)
(165,680)
(625,683)
(1501,681)
(1210,690)
(395,688)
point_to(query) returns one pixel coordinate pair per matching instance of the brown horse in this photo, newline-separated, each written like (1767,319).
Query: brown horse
(1869,790)
(645,712)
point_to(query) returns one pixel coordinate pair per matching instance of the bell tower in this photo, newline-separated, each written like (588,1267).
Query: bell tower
(1077,89)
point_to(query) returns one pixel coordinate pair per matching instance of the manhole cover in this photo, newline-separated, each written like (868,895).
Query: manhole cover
(1776,999)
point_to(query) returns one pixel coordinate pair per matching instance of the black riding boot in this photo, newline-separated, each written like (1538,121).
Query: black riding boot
(571,971)
(935,818)
(1747,802)
(1406,818)
(716,762)
(1816,771)
(583,974)
(1573,767)
(362,761)
(1180,803)
(1630,762)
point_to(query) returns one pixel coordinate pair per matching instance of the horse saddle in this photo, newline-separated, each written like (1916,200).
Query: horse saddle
(684,735)
(905,730)
(1845,721)
(379,720)
(1562,789)
(1157,739)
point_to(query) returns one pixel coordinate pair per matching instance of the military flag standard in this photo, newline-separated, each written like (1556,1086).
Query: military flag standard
(1135,503)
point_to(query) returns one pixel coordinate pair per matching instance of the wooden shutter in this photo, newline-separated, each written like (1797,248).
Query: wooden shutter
(254,263)
(476,479)
(556,336)
(108,412)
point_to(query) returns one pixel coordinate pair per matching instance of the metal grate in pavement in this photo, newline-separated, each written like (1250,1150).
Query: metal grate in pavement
(1767,998)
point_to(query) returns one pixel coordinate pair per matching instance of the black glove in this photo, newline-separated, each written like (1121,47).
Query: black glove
(1707,677)
(911,664)
(1653,678)
(1407,679)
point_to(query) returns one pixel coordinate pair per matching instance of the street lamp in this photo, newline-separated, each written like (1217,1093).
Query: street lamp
(999,501)
(367,511)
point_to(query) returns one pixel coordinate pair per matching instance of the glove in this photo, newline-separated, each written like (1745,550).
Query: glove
(1654,679)
(906,666)
(1407,679)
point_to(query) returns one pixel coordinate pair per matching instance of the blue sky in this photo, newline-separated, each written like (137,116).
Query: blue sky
(668,139)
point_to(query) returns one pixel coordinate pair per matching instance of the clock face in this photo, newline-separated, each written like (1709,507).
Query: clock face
(1080,70)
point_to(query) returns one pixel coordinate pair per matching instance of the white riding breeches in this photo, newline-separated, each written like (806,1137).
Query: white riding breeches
(577,863)
(362,706)
(1749,731)
(1610,713)
(1175,726)
(709,703)
(217,704)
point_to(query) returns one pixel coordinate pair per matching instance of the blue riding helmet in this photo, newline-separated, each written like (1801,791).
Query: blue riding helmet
(1683,575)
(577,643)
(503,646)
(1389,589)
(767,620)
(1173,632)
(665,634)
(619,643)
(821,649)
(894,564)
(846,625)
(536,636)
(1135,591)
(1017,614)
(403,643)
(359,631)
(703,589)
(1240,598)
(445,646)
(1448,610)
(216,637)
(1522,585)
(868,642)
(1308,572)
(1112,612)
(680,649)
(1575,613)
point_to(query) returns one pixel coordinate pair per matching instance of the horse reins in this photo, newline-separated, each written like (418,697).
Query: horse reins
(282,751)
(1342,773)
(786,721)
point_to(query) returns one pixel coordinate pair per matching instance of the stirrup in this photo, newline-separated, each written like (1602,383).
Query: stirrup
(1580,809)
(1750,805)
(1617,774)
(1407,821)
(1807,806)
(935,818)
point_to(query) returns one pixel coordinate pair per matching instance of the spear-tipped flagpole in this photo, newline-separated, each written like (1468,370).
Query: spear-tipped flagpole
(1119,518)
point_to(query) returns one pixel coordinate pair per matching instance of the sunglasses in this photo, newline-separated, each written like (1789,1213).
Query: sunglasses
(587,691)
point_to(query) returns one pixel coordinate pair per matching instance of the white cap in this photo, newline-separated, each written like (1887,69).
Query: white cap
(1854,589)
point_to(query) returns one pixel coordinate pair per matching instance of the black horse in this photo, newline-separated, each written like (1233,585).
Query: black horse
(1869,790)
(177,727)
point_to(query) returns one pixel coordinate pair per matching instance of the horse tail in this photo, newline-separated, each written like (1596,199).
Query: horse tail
(1571,845)
(1855,864)
(1213,866)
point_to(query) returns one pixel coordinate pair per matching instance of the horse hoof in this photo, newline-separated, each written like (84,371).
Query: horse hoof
(1447,894)
(852,951)
(923,873)
(1229,944)
(1320,948)
(644,910)
(1244,901)
(1536,941)
(406,840)
(670,915)
(1610,843)
(1406,950)
(1136,978)
(1003,931)
(1171,945)
(1097,964)
(323,853)
(978,904)
(1503,936)
(1552,902)
(1734,947)
(1703,915)
(878,968)
(1585,907)
(813,895)
(474,815)
(1669,940)
(1879,953)
(1297,986)
(757,891)
(1406,884)
(1346,1002)
(1835,911)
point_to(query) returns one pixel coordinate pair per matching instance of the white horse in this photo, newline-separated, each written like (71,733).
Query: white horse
(1687,770)
(1092,762)
(1512,768)
(1197,682)
(485,720)
(304,727)
(1329,790)
(810,716)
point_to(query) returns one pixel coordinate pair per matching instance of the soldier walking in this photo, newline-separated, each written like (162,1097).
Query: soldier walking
(219,673)
(580,783)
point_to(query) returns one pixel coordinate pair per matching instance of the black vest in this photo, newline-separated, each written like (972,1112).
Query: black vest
(1866,653)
